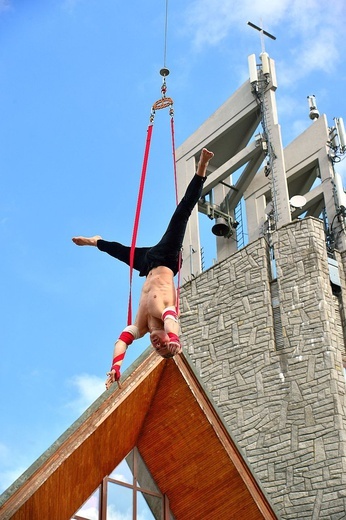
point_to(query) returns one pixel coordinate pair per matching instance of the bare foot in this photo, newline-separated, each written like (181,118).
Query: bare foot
(86,241)
(203,162)
(206,155)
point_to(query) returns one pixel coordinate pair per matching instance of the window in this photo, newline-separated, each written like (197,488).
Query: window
(128,493)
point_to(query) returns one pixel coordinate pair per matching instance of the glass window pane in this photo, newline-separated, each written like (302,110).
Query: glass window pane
(119,502)
(149,507)
(90,509)
(123,473)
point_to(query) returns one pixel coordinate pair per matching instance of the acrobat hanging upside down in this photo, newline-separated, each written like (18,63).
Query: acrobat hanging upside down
(159,264)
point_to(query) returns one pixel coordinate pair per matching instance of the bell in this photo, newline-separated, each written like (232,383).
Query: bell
(221,227)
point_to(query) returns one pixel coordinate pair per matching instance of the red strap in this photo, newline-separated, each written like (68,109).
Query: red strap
(136,222)
(176,200)
(138,211)
(174,162)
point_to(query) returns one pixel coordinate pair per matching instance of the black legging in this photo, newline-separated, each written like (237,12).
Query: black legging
(166,252)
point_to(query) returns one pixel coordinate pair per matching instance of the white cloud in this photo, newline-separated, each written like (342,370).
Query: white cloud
(289,105)
(69,5)
(211,21)
(4,5)
(7,477)
(112,514)
(89,512)
(89,388)
(317,53)
(311,27)
(4,452)
(321,51)
(92,513)
(305,18)
(120,477)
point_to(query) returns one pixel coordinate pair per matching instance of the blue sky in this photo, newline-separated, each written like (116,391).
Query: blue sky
(77,81)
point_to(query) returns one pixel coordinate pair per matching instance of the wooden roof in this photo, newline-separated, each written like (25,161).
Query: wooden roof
(163,410)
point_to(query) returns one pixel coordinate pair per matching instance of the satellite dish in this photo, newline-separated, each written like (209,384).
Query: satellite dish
(298,201)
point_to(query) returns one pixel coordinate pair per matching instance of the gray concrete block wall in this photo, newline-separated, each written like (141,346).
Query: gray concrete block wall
(287,408)
(341,259)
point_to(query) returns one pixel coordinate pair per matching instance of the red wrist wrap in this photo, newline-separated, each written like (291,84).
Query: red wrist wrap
(115,367)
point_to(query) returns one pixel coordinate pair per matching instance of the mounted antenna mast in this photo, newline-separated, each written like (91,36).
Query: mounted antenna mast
(262,86)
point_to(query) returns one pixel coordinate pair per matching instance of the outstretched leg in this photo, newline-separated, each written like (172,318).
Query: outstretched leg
(116,250)
(169,246)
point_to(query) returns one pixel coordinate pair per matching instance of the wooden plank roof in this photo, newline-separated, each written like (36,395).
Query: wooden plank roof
(163,410)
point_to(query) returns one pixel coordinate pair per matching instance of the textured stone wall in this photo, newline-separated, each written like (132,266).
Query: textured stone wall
(286,408)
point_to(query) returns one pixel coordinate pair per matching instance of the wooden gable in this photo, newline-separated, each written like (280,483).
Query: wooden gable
(163,410)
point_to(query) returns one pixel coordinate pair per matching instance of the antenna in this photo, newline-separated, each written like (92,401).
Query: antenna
(265,63)
(340,128)
(334,138)
(252,68)
(341,195)
(314,113)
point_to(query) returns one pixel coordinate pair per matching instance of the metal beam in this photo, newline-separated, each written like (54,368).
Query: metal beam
(245,178)
(232,165)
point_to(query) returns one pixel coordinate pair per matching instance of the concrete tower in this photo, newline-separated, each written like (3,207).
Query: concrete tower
(265,326)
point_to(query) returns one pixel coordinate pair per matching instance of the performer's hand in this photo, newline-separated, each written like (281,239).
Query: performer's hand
(174,347)
(113,375)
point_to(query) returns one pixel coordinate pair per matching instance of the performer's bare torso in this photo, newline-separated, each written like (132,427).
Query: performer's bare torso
(158,292)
